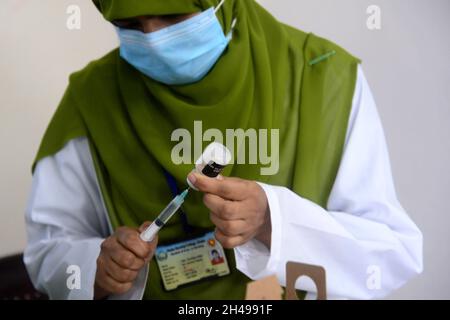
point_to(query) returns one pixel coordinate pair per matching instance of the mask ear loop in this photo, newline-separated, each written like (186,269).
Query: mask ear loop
(233,24)
(219,6)
(230,34)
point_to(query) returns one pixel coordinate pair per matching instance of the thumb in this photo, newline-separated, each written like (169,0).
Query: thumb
(203,183)
(144,226)
(150,245)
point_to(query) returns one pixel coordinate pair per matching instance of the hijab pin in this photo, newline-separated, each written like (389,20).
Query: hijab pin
(322,57)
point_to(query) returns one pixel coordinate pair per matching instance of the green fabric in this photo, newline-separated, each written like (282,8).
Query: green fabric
(262,81)
(113,9)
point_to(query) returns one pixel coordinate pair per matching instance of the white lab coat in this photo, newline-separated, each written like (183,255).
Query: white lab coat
(363,233)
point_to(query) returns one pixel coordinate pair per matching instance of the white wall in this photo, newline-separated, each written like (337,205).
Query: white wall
(406,63)
(37,54)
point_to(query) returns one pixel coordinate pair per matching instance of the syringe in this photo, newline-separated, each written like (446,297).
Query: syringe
(150,233)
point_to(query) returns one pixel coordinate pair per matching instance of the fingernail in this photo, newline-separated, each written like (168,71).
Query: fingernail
(192,178)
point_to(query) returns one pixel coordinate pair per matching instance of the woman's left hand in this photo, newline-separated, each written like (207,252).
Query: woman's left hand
(239,209)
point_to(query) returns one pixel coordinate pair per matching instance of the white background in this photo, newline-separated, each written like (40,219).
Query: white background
(406,63)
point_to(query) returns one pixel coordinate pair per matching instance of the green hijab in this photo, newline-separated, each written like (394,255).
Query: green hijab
(270,77)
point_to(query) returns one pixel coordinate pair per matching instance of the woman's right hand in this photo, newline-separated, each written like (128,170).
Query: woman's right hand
(121,258)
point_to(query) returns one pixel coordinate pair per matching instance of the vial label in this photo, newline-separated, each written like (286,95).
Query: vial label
(212,169)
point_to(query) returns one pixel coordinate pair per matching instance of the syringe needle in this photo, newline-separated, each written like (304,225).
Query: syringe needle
(150,233)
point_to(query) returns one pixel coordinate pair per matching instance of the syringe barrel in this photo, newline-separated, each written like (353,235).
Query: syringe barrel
(150,233)
(168,211)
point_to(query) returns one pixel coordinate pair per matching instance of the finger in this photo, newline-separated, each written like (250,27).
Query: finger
(110,285)
(230,228)
(118,273)
(229,242)
(124,257)
(152,244)
(227,188)
(131,240)
(225,209)
(144,226)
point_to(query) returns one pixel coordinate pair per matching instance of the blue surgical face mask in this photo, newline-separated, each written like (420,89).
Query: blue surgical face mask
(179,54)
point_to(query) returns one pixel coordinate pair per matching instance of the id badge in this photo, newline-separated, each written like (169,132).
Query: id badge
(190,261)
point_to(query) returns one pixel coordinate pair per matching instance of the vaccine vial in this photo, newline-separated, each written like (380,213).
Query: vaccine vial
(213,160)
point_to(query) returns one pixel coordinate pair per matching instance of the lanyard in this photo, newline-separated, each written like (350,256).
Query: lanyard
(175,191)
